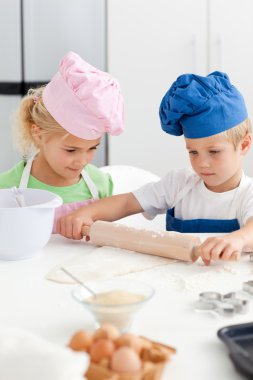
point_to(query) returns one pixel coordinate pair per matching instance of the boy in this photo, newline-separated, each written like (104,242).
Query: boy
(216,196)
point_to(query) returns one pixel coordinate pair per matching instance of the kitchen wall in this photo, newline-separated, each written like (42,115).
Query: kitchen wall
(150,43)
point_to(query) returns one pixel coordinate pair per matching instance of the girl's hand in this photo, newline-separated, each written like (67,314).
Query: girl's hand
(73,226)
(227,247)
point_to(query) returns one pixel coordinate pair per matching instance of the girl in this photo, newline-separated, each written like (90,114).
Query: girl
(59,128)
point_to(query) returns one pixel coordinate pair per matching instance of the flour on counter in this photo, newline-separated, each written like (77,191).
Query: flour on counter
(105,262)
(162,273)
(219,276)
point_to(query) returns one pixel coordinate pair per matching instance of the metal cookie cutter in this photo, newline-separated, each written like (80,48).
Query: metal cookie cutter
(241,305)
(226,305)
(248,287)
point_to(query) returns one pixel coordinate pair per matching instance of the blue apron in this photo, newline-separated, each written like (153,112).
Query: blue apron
(198,225)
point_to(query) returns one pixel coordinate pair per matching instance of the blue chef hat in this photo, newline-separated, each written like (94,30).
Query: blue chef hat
(201,106)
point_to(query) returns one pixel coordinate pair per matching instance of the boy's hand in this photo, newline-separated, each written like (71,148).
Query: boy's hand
(73,225)
(227,247)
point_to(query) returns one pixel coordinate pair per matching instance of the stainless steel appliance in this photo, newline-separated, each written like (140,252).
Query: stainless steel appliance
(34,35)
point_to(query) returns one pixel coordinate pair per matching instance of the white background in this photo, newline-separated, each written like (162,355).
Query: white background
(150,43)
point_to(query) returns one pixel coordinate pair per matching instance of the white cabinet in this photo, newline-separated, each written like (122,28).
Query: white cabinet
(62,26)
(150,43)
(231,49)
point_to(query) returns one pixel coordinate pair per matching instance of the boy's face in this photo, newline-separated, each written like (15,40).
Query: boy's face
(216,161)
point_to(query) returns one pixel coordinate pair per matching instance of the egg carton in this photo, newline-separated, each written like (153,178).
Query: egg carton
(154,360)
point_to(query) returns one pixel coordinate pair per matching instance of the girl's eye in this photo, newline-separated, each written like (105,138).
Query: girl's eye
(70,150)
(214,151)
(193,152)
(93,148)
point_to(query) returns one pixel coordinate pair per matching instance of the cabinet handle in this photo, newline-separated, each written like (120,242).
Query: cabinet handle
(220,51)
(194,53)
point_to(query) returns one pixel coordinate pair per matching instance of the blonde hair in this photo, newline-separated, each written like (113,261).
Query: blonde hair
(236,134)
(32,111)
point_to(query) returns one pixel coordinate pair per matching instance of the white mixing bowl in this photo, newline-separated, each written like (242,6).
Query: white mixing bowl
(25,230)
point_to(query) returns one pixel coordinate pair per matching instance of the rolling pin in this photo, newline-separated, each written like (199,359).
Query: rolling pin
(172,245)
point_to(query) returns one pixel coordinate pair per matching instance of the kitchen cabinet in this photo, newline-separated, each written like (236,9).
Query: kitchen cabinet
(231,49)
(150,43)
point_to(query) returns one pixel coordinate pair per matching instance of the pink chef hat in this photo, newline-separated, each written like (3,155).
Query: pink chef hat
(85,101)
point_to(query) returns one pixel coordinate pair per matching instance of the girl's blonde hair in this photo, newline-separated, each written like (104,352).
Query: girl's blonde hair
(32,111)
(237,133)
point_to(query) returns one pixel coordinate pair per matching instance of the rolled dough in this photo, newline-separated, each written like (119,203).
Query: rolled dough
(105,262)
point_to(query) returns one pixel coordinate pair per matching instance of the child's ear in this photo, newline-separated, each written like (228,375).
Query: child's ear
(36,133)
(246,143)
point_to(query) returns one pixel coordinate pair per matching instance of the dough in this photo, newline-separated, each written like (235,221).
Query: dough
(105,262)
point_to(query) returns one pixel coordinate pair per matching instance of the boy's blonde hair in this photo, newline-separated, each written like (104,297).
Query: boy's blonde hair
(236,134)
(32,111)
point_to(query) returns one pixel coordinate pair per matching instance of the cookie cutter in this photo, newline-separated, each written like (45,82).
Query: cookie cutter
(223,304)
(247,286)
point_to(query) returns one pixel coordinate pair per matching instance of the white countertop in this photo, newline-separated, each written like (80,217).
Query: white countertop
(30,301)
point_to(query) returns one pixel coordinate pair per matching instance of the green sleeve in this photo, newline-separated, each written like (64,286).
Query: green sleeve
(12,177)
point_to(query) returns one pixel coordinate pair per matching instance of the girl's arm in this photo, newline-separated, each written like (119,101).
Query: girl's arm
(108,209)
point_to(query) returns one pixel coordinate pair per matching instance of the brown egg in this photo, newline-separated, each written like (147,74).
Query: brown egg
(104,362)
(133,341)
(100,349)
(81,341)
(125,360)
(128,340)
(107,331)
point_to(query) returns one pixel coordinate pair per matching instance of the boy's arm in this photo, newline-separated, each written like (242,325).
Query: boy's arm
(108,209)
(228,246)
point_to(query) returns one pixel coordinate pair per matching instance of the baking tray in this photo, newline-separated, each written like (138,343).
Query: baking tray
(239,340)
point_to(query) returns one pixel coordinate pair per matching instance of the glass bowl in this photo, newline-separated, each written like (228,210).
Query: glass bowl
(114,307)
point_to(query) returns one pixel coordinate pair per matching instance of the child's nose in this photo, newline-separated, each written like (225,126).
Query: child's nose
(203,162)
(80,161)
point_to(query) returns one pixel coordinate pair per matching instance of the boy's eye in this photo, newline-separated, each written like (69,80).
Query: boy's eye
(193,152)
(70,150)
(214,151)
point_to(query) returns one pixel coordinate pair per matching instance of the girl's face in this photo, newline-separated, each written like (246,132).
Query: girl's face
(62,158)
(217,162)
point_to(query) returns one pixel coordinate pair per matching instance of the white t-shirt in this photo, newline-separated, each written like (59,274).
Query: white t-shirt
(198,202)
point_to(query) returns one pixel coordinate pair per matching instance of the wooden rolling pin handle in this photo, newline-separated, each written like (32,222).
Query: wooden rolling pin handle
(235,256)
(195,254)
(86,230)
